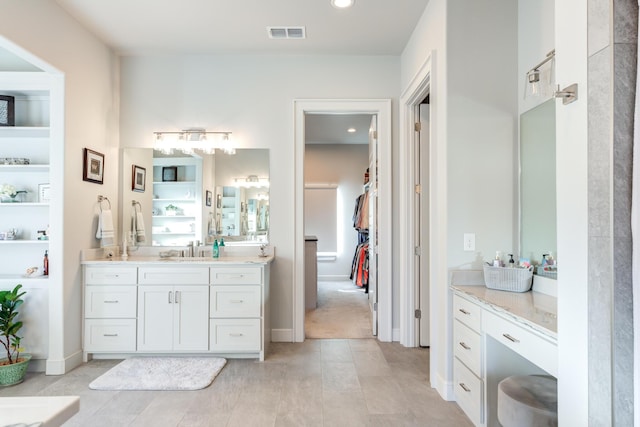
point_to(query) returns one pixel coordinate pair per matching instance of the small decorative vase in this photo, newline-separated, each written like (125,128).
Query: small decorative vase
(14,373)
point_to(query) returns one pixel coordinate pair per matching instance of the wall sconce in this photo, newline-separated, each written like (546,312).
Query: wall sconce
(540,81)
(189,140)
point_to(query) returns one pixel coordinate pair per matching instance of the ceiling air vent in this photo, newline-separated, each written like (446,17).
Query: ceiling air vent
(286,32)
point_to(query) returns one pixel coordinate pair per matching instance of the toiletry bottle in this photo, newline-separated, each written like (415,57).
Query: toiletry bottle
(512,262)
(215,251)
(497,262)
(46,263)
(221,248)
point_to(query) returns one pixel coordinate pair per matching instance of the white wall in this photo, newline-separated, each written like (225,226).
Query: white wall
(474,52)
(91,120)
(252,96)
(344,165)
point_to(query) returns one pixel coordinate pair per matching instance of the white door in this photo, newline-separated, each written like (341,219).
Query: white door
(422,224)
(373,222)
(191,318)
(155,318)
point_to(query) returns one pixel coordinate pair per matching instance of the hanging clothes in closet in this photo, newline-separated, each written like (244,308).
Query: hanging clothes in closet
(360,263)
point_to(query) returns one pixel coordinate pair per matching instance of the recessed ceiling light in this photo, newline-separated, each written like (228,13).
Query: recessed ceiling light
(351,130)
(342,4)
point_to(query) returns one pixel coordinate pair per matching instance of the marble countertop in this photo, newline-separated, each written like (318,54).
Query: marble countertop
(45,411)
(534,309)
(156,260)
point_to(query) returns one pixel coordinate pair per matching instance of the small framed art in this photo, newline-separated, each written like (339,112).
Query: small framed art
(44,193)
(170,173)
(7,110)
(208,197)
(93,167)
(138,177)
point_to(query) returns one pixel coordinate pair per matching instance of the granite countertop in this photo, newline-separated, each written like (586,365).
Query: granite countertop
(156,260)
(534,309)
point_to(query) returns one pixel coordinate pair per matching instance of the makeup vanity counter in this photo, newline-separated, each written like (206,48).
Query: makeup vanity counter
(497,334)
(145,305)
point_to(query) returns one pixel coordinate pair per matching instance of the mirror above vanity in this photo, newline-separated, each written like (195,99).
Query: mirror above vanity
(538,187)
(195,198)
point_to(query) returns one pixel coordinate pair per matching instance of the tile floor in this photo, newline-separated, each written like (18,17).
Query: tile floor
(329,382)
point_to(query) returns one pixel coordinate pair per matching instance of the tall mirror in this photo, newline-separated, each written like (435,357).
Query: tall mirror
(172,200)
(538,188)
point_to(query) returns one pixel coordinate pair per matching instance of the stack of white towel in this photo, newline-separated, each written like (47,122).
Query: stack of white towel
(137,226)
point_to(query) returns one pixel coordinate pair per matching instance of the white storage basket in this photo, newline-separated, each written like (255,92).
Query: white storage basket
(508,279)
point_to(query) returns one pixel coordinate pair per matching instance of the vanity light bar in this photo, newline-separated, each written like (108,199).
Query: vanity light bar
(189,140)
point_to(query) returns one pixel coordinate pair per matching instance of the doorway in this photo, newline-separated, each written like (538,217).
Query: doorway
(336,222)
(382,109)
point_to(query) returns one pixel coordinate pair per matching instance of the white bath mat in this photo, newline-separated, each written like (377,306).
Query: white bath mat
(160,373)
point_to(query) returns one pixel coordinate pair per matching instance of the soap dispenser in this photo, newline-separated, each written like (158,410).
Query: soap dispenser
(215,250)
(497,262)
(512,263)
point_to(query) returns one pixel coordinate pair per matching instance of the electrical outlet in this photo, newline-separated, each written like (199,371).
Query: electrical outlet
(469,241)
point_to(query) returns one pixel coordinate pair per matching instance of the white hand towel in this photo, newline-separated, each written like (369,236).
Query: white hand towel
(139,227)
(105,232)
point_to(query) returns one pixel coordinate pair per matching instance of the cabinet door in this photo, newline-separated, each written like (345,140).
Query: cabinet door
(155,318)
(191,318)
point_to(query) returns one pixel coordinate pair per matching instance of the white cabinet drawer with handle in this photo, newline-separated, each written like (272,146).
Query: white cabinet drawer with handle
(173,275)
(467,346)
(236,275)
(235,301)
(467,312)
(110,301)
(110,275)
(234,335)
(469,393)
(523,341)
(110,335)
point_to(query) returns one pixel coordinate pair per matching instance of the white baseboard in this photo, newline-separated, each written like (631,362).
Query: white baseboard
(444,388)
(62,366)
(282,335)
(395,335)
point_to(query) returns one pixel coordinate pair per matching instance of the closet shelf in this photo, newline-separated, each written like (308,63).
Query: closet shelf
(23,204)
(12,278)
(175,200)
(24,132)
(174,216)
(173,182)
(24,242)
(168,233)
(24,168)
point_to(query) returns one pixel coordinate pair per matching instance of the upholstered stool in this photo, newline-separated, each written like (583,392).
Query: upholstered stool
(528,401)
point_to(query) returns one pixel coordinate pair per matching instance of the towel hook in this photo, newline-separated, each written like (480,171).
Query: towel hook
(103,199)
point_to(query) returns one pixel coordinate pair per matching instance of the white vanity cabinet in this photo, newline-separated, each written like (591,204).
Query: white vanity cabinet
(109,309)
(173,308)
(151,306)
(497,334)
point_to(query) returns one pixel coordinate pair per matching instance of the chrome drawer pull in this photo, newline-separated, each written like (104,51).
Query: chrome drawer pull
(170,301)
(465,346)
(510,338)
(236,301)
(463,311)
(110,335)
(177,297)
(464,387)
(235,335)
(112,302)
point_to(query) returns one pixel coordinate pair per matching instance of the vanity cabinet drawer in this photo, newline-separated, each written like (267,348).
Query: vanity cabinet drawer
(235,301)
(110,301)
(114,335)
(469,392)
(236,275)
(523,341)
(110,275)
(467,312)
(234,335)
(173,275)
(467,346)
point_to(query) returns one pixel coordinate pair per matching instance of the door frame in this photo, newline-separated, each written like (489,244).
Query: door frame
(417,89)
(381,107)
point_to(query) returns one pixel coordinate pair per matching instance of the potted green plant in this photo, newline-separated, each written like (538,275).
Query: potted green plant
(14,366)
(171,210)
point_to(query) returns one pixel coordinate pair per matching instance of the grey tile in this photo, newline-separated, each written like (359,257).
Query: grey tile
(336,351)
(383,395)
(599,29)
(371,363)
(340,376)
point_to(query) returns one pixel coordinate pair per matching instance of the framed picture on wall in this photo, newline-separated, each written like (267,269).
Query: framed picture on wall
(93,166)
(138,178)
(208,197)
(170,173)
